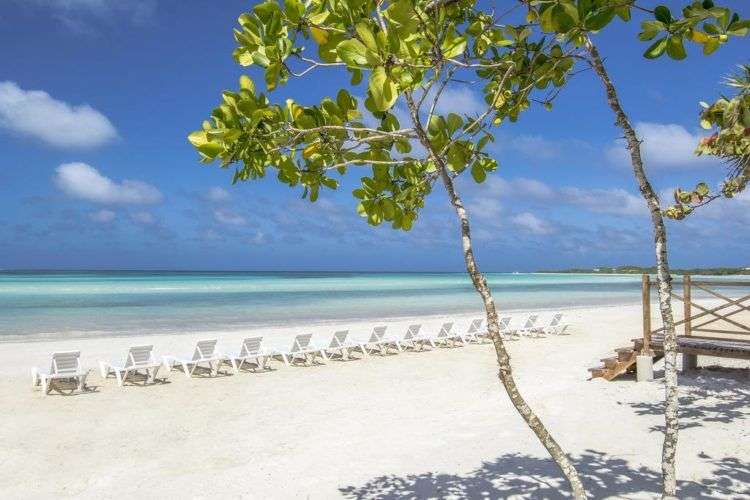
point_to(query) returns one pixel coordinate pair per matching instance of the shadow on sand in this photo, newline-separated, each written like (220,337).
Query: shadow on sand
(707,395)
(522,476)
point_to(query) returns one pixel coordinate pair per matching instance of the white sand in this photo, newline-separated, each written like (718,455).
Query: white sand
(415,425)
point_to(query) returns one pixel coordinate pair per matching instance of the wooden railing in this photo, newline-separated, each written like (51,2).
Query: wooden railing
(709,316)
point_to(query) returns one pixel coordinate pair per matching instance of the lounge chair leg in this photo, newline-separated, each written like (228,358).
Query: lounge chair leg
(120,377)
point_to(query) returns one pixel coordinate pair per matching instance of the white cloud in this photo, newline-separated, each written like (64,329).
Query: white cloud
(104,216)
(82,181)
(520,187)
(665,145)
(218,195)
(229,217)
(459,100)
(605,201)
(143,218)
(532,224)
(36,114)
(534,146)
(70,12)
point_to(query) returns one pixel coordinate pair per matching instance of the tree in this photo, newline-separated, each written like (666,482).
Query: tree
(411,52)
(575,22)
(730,141)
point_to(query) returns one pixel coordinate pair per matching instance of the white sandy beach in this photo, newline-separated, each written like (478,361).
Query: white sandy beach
(434,424)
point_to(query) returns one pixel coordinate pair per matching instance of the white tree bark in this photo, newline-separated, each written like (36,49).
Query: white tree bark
(663,277)
(505,373)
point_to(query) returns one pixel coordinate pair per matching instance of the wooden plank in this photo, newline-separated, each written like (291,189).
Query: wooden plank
(687,303)
(721,283)
(716,330)
(646,296)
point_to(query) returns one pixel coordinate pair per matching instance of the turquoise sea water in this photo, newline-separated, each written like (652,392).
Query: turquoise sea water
(66,304)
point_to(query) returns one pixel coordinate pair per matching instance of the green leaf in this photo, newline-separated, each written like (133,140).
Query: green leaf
(454,122)
(478,173)
(710,46)
(366,36)
(383,89)
(661,13)
(656,50)
(246,83)
(675,48)
(210,149)
(294,10)
(356,76)
(650,30)
(198,138)
(352,52)
(272,76)
(453,45)
(598,21)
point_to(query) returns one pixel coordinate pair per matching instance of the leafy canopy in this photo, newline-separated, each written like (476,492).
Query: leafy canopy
(402,55)
(729,118)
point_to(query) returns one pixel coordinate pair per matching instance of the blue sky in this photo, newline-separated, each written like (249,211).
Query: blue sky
(97,97)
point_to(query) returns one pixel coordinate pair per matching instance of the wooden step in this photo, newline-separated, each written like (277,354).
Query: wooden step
(610,363)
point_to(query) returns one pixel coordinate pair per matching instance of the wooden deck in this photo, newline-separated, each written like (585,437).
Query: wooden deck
(704,346)
(729,319)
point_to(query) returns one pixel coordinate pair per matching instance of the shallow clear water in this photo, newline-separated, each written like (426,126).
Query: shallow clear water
(63,304)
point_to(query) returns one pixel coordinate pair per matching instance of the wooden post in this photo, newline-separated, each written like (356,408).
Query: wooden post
(689,361)
(644,361)
(687,296)
(646,349)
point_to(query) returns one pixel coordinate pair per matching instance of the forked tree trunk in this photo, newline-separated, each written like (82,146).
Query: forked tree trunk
(505,373)
(663,277)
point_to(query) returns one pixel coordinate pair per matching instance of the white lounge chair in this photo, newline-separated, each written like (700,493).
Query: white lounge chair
(205,355)
(474,332)
(446,336)
(138,359)
(506,331)
(378,342)
(341,345)
(414,339)
(555,325)
(250,352)
(65,367)
(303,347)
(528,327)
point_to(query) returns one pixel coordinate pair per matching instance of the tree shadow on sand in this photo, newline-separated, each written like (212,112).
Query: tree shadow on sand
(523,476)
(707,395)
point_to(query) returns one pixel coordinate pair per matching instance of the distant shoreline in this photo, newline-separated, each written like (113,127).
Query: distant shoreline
(630,270)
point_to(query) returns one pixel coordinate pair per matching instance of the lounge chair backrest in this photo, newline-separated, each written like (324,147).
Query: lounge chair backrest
(251,346)
(139,355)
(445,330)
(377,334)
(65,362)
(504,322)
(556,319)
(412,332)
(301,342)
(339,338)
(531,321)
(475,326)
(204,349)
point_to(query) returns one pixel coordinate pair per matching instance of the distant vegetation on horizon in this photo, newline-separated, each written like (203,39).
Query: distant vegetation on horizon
(713,271)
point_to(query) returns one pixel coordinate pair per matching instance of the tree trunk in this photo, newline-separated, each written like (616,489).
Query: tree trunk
(663,277)
(505,373)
